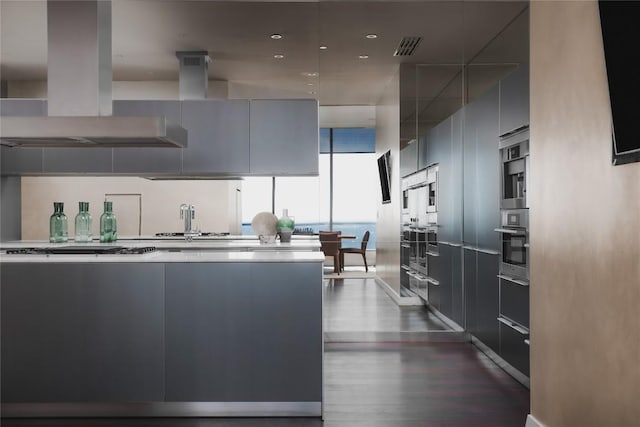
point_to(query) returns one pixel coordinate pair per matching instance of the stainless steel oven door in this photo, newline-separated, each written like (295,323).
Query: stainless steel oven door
(432,189)
(422,252)
(419,284)
(514,260)
(413,249)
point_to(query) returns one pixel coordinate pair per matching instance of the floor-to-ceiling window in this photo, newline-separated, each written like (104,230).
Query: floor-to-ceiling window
(343,197)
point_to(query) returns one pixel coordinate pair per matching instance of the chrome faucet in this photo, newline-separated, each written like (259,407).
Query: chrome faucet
(188,212)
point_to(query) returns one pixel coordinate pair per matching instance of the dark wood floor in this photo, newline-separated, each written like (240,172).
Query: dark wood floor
(380,385)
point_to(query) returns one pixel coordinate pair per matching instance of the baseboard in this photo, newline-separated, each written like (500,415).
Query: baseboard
(400,300)
(532,422)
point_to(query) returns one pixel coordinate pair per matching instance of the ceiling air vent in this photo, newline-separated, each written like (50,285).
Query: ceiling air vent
(407,46)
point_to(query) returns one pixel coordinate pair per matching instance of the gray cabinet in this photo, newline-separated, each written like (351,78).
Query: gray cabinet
(271,328)
(457,286)
(470,195)
(284,137)
(218,132)
(470,290)
(514,100)
(16,161)
(454,232)
(77,160)
(487,301)
(409,159)
(82,332)
(487,174)
(148,160)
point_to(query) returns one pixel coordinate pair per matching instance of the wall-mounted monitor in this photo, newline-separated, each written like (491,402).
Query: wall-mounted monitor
(385,176)
(620,33)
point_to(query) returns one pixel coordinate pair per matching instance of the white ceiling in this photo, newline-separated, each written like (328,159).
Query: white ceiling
(147,34)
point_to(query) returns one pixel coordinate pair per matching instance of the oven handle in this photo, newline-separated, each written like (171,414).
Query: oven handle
(512,280)
(506,231)
(434,282)
(521,329)
(404,267)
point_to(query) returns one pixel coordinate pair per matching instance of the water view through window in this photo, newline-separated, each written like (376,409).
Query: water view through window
(308,199)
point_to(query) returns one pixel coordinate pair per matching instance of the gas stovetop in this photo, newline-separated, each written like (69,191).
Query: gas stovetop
(180,234)
(81,250)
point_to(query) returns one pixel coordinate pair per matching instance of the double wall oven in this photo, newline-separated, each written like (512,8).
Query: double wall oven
(419,233)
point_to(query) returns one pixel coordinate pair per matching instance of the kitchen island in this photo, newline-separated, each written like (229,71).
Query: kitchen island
(208,332)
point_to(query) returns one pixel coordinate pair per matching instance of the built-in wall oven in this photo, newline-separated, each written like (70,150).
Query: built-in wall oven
(514,230)
(432,188)
(514,152)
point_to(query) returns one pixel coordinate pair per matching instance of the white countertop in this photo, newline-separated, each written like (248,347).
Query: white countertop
(165,257)
(178,250)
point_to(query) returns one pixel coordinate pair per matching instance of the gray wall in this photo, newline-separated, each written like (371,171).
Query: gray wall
(10,200)
(388,225)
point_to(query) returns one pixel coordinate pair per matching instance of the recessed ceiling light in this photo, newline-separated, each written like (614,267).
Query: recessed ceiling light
(323,47)
(309,84)
(276,36)
(363,56)
(371,36)
(278,56)
(314,74)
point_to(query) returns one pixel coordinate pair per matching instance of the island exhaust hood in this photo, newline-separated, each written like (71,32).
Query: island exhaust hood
(79,89)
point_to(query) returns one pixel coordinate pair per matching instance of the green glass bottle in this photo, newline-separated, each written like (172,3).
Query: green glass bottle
(58,227)
(108,224)
(83,222)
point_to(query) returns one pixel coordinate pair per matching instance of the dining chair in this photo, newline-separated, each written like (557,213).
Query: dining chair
(362,251)
(330,245)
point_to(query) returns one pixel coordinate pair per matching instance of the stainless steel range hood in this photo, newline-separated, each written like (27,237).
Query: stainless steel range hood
(79,89)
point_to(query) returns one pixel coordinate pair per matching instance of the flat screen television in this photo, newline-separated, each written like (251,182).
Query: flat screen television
(619,21)
(385,176)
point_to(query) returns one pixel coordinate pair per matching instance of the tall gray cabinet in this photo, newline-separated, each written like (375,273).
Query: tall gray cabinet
(465,147)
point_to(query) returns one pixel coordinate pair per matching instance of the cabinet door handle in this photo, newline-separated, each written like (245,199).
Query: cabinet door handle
(506,231)
(512,280)
(513,325)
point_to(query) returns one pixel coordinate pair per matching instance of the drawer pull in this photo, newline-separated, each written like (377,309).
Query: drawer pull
(521,329)
(512,280)
(506,231)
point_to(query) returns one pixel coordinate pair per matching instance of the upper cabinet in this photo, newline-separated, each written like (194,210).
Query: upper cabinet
(284,137)
(15,161)
(514,100)
(218,137)
(276,137)
(148,160)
